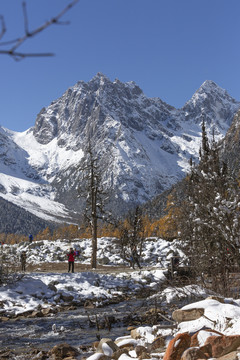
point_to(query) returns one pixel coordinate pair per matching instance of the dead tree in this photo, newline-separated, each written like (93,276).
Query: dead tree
(132,235)
(93,191)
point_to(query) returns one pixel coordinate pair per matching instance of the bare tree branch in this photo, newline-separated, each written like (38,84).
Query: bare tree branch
(19,56)
(3,27)
(29,34)
(25,17)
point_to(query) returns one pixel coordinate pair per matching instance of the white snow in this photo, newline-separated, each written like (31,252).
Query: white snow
(37,195)
(216,316)
(51,157)
(149,156)
(203,335)
(33,290)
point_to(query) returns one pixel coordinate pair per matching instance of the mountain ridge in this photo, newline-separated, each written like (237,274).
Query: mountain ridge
(148,141)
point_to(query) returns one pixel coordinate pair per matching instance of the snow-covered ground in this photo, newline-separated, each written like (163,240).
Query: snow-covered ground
(35,289)
(156,252)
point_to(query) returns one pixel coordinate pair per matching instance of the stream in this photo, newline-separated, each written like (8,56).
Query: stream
(76,327)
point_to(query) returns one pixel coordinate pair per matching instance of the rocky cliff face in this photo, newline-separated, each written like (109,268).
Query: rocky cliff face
(144,144)
(214,104)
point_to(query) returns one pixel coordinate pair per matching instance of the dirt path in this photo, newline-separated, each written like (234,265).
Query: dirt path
(62,267)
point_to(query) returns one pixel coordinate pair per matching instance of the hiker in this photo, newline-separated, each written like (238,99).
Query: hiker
(135,257)
(175,260)
(30,238)
(77,252)
(23,260)
(71,258)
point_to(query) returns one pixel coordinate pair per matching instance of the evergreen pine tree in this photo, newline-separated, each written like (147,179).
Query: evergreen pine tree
(210,228)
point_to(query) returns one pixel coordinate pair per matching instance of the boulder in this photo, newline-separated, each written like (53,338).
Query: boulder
(200,337)
(63,351)
(217,298)
(187,315)
(135,334)
(67,297)
(26,313)
(6,354)
(107,347)
(157,344)
(95,344)
(126,342)
(222,345)
(116,355)
(69,288)
(207,350)
(131,327)
(139,349)
(4,318)
(46,311)
(234,355)
(53,282)
(144,356)
(41,355)
(52,287)
(36,313)
(98,356)
(177,346)
(193,353)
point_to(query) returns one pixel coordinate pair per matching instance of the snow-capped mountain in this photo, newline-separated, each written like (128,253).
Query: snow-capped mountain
(145,145)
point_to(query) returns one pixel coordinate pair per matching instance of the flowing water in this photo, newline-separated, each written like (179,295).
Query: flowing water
(76,327)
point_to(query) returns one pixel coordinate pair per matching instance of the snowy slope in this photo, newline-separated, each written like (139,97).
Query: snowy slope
(22,183)
(145,145)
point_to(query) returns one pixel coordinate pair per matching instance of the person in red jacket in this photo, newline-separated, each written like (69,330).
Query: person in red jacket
(71,258)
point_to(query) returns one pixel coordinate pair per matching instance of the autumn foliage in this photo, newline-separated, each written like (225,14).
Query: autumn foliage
(165,227)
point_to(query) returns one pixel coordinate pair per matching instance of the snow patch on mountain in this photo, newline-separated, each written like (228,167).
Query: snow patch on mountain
(145,143)
(48,159)
(35,193)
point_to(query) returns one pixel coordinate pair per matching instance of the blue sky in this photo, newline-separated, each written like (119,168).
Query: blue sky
(168,47)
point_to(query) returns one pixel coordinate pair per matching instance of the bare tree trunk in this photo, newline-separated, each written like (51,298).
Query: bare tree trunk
(94,244)
(94,192)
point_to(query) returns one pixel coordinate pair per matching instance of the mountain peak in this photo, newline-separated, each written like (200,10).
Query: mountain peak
(144,143)
(209,84)
(100,78)
(213,103)
(210,87)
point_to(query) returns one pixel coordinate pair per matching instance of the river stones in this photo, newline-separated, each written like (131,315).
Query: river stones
(62,351)
(187,315)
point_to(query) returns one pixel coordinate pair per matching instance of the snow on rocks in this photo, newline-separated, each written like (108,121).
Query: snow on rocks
(156,252)
(37,290)
(191,340)
(214,334)
(212,330)
(55,289)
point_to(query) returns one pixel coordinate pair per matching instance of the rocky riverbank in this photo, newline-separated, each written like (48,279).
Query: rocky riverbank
(207,329)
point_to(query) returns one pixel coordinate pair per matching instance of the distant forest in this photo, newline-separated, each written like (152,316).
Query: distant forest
(16,220)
